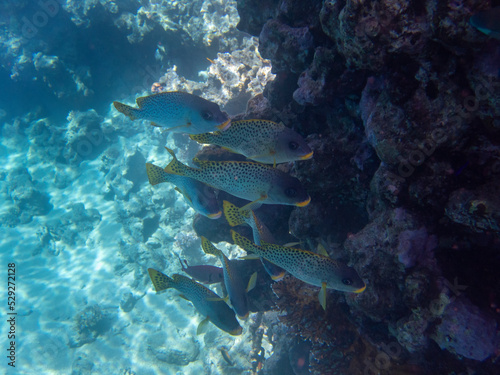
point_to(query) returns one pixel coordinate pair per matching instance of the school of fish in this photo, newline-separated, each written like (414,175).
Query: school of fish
(267,144)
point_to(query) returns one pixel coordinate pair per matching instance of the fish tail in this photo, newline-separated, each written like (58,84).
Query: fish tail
(244,243)
(156,175)
(208,247)
(232,214)
(175,166)
(160,281)
(127,110)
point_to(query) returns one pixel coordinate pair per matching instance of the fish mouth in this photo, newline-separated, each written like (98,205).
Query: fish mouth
(304,203)
(224,125)
(307,156)
(215,215)
(236,331)
(360,290)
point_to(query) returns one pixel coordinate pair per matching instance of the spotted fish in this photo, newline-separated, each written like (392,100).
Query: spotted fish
(244,179)
(236,288)
(245,215)
(205,274)
(312,268)
(198,195)
(260,140)
(177,112)
(204,300)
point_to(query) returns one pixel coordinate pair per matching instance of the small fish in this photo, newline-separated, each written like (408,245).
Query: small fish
(312,268)
(244,179)
(260,140)
(177,112)
(245,215)
(236,288)
(204,300)
(203,273)
(226,356)
(487,21)
(198,195)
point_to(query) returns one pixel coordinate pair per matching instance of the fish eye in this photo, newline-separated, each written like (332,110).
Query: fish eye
(347,281)
(207,115)
(290,192)
(293,145)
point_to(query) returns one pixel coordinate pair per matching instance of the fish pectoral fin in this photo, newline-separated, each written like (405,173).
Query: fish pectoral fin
(155,124)
(253,205)
(321,250)
(202,327)
(184,297)
(224,126)
(291,244)
(252,282)
(184,195)
(322,296)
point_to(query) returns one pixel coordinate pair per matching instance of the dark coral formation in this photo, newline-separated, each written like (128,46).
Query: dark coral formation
(399,101)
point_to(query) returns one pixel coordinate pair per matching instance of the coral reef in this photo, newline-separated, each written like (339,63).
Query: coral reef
(231,79)
(467,332)
(399,102)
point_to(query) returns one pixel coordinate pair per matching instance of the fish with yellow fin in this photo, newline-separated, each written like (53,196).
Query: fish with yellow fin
(236,288)
(197,195)
(312,268)
(243,179)
(204,300)
(260,140)
(177,112)
(245,215)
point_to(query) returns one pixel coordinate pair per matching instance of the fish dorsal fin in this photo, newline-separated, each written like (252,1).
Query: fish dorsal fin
(252,282)
(142,100)
(209,248)
(245,243)
(204,138)
(184,195)
(322,295)
(232,214)
(321,250)
(202,327)
(202,163)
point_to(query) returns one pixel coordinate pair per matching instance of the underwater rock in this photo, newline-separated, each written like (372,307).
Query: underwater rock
(27,201)
(327,216)
(367,33)
(85,138)
(179,352)
(89,324)
(465,331)
(289,48)
(379,253)
(477,209)
(254,14)
(411,331)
